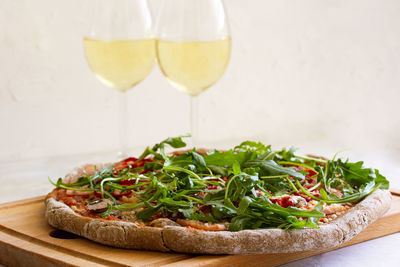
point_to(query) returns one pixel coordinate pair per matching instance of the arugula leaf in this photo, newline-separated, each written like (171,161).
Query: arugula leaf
(356,174)
(364,191)
(149,211)
(198,159)
(270,167)
(240,222)
(224,159)
(265,215)
(236,168)
(288,155)
(257,147)
(173,204)
(240,185)
(190,158)
(175,142)
(243,205)
(232,186)
(225,207)
(289,211)
(223,171)
(380,179)
(105,172)
(319,207)
(198,216)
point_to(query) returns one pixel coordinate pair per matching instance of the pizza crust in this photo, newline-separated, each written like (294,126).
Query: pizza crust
(114,233)
(180,239)
(281,241)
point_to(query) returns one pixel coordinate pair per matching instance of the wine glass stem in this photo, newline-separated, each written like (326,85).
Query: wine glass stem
(194,131)
(123,129)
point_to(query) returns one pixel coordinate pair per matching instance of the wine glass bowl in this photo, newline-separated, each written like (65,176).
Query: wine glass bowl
(192,67)
(193,47)
(120,50)
(120,64)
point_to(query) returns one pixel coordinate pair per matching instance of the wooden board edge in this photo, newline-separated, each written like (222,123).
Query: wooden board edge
(395,191)
(17,203)
(19,252)
(59,254)
(31,247)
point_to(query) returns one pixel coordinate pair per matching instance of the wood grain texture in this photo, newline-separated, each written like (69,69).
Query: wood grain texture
(395,192)
(25,241)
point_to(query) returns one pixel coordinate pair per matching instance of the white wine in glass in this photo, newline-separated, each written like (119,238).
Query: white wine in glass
(120,50)
(192,67)
(193,47)
(120,64)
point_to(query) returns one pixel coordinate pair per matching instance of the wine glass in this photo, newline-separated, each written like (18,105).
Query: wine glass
(120,50)
(193,47)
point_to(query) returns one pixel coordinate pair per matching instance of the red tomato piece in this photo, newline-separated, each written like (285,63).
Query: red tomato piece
(70,201)
(205,208)
(211,187)
(129,161)
(286,201)
(127,182)
(311,173)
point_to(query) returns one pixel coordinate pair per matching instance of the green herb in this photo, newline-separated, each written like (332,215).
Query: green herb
(233,186)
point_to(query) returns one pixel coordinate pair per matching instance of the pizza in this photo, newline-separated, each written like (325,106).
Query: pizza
(246,200)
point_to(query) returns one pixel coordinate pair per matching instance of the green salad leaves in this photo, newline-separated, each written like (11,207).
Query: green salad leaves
(235,186)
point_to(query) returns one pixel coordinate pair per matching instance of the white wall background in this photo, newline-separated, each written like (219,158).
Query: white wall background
(320,75)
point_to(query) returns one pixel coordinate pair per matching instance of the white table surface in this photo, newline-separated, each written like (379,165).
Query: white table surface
(24,179)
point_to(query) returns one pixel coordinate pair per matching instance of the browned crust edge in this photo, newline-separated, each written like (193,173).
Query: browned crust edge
(180,239)
(114,233)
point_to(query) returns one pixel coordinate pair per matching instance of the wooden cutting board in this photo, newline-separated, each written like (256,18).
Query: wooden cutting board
(25,241)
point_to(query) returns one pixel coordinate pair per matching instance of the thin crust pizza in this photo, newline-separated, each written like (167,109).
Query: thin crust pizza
(247,200)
